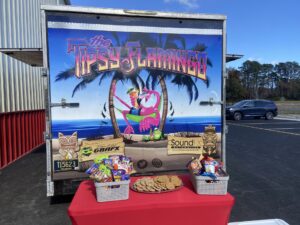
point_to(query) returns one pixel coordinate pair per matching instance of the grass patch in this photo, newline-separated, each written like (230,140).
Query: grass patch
(288,107)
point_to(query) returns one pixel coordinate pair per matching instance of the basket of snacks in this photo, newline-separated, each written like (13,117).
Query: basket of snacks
(111,175)
(208,177)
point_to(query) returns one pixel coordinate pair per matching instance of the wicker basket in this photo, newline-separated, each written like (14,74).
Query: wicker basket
(112,191)
(207,186)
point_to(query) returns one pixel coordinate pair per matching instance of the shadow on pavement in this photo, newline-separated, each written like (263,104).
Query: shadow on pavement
(23,198)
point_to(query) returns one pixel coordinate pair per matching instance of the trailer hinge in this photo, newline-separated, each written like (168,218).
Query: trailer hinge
(226,129)
(211,102)
(45,72)
(226,75)
(65,104)
(47,136)
(50,188)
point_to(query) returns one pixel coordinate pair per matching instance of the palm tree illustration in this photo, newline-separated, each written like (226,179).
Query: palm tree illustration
(155,76)
(116,75)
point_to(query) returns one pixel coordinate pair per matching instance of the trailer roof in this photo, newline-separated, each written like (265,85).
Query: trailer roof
(125,12)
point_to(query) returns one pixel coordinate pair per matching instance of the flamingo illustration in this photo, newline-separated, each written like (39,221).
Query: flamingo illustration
(137,112)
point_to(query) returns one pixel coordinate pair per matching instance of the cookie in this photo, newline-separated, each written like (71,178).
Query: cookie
(157,184)
(170,186)
(163,179)
(176,181)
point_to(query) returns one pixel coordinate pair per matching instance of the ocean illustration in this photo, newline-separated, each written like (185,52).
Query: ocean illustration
(95,128)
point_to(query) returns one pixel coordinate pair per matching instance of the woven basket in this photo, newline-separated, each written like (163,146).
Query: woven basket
(207,186)
(112,191)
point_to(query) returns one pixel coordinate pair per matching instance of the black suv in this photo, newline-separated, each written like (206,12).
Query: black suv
(252,108)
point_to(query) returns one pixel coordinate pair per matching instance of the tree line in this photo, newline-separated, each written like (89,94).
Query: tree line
(253,80)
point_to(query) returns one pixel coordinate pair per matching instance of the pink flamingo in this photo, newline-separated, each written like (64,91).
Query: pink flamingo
(137,108)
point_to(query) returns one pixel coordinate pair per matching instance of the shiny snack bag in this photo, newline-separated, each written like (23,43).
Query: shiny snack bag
(125,177)
(105,169)
(195,166)
(100,158)
(209,168)
(117,174)
(97,176)
(93,169)
(108,163)
(115,158)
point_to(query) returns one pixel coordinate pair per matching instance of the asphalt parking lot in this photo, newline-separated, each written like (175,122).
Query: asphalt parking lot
(261,160)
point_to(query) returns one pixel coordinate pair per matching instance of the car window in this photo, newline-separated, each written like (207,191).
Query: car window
(249,104)
(271,104)
(260,103)
(239,104)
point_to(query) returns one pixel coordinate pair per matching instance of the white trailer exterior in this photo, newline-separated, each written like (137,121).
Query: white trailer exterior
(130,21)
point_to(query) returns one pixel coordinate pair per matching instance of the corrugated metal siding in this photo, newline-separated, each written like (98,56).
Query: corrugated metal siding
(20,22)
(20,132)
(21,86)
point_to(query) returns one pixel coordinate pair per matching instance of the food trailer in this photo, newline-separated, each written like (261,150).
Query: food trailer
(147,84)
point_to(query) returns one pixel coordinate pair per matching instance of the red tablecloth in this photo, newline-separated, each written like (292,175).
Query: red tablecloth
(182,207)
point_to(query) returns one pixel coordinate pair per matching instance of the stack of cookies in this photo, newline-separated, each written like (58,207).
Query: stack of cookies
(157,184)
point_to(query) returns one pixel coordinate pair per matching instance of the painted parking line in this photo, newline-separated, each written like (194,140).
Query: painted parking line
(265,129)
(271,123)
(286,128)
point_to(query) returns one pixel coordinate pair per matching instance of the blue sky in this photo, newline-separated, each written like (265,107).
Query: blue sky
(264,30)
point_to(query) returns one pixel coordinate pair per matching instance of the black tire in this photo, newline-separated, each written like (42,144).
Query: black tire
(269,116)
(237,116)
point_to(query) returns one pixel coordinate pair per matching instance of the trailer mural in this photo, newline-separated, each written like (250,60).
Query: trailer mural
(142,87)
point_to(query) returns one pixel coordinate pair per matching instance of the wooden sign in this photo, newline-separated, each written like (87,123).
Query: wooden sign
(185,145)
(89,150)
(210,139)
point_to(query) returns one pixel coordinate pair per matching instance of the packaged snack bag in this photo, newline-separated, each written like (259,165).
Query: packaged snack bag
(99,159)
(117,174)
(93,169)
(195,166)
